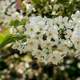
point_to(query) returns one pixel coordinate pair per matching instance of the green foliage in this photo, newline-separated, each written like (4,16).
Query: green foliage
(17,22)
(23,21)
(55,8)
(4,35)
(9,39)
(42,7)
(6,38)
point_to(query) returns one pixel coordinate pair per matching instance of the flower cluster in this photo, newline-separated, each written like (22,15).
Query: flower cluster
(8,6)
(50,40)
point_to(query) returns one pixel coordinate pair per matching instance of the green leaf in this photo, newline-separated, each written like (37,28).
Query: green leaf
(36,1)
(6,40)
(23,21)
(3,34)
(15,23)
(5,37)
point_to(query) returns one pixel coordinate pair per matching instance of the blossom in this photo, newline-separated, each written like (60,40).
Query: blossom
(49,40)
(76,38)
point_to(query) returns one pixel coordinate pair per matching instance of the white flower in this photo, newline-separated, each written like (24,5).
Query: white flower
(49,40)
(12,30)
(76,38)
(55,57)
(27,65)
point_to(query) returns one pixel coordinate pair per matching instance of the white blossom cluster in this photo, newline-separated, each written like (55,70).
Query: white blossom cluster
(4,4)
(50,40)
(7,9)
